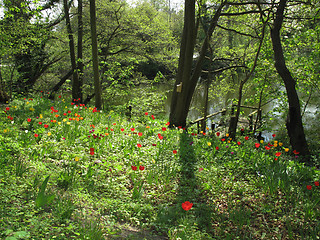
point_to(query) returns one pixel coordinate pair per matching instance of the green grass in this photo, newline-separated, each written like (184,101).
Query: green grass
(76,179)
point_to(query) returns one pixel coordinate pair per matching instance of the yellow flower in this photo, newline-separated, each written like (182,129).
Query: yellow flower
(66,107)
(76,159)
(207,128)
(209,144)
(261,141)
(280,144)
(6,130)
(227,135)
(41,116)
(201,132)
(153,161)
(49,133)
(81,118)
(27,102)
(147,127)
(64,120)
(286,149)
(275,145)
(228,141)
(68,123)
(106,134)
(31,109)
(59,123)
(275,142)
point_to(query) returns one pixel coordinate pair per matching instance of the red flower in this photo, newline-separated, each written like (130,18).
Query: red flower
(278,154)
(122,129)
(139,145)
(309,187)
(114,124)
(257,145)
(40,123)
(270,145)
(69,111)
(267,148)
(218,134)
(239,143)
(29,119)
(295,152)
(140,134)
(316,183)
(146,113)
(141,168)
(91,149)
(187,205)
(59,96)
(153,144)
(168,123)
(132,129)
(273,135)
(7,108)
(46,126)
(276,159)
(152,117)
(134,168)
(222,139)
(91,153)
(164,129)
(174,151)
(36,135)
(201,169)
(217,148)
(160,136)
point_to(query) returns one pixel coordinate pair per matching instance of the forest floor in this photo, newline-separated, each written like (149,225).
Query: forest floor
(68,171)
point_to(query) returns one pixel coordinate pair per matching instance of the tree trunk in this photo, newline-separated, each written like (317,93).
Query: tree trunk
(80,47)
(97,85)
(180,102)
(294,119)
(75,81)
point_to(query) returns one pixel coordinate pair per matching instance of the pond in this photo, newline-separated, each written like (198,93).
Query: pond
(158,98)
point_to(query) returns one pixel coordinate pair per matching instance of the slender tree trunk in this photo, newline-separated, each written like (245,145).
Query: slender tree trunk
(97,85)
(80,47)
(294,119)
(75,81)
(180,102)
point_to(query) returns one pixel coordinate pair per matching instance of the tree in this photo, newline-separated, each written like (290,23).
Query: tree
(95,60)
(294,119)
(186,80)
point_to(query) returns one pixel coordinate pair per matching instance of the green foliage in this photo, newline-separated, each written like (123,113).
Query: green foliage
(43,199)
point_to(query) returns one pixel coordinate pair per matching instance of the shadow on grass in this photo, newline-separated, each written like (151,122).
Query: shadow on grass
(177,221)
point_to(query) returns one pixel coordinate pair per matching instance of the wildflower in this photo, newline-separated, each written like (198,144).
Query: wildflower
(46,126)
(286,149)
(139,134)
(153,144)
(257,145)
(132,129)
(40,123)
(134,168)
(139,145)
(276,159)
(232,153)
(200,169)
(209,144)
(239,143)
(76,159)
(7,108)
(141,168)
(187,205)
(122,129)
(222,139)
(273,135)
(29,120)
(36,135)
(309,187)
(160,136)
(41,116)
(164,129)
(190,143)
(267,148)
(217,148)
(295,152)
(275,145)
(31,109)
(174,151)
(316,183)
(227,135)
(49,133)
(152,117)
(168,123)
(147,127)
(280,144)
(146,113)
(261,141)
(278,154)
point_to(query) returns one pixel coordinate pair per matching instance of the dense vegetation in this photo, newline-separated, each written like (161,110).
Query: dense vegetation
(69,171)
(87,151)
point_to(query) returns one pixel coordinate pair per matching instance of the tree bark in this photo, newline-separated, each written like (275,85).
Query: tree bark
(76,92)
(97,85)
(80,48)
(180,102)
(294,120)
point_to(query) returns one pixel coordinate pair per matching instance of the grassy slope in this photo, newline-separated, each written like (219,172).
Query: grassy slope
(238,191)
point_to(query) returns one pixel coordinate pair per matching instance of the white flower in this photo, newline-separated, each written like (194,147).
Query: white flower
(26,131)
